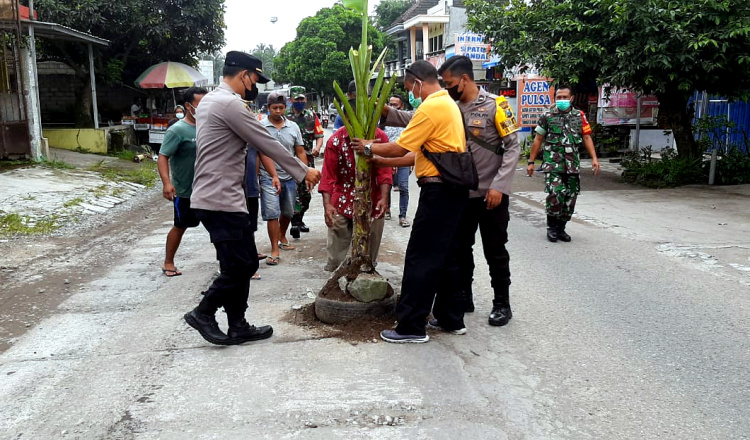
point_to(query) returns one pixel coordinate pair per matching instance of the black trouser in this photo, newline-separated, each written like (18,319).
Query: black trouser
(431,262)
(493,225)
(303,196)
(232,236)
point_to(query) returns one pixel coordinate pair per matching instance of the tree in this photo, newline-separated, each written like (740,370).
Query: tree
(666,47)
(318,55)
(141,33)
(388,11)
(266,53)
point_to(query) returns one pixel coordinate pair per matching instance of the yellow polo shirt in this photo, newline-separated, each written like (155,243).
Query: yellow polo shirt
(438,125)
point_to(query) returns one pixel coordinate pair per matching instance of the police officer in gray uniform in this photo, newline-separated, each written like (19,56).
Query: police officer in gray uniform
(491,133)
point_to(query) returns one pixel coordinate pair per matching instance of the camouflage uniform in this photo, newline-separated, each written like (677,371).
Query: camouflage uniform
(563,134)
(311,130)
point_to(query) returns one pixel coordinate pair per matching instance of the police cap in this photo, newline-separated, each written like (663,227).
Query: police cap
(246,61)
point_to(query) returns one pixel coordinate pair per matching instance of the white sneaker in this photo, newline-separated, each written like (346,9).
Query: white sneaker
(434,324)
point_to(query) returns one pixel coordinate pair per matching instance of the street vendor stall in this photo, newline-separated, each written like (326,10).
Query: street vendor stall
(168,75)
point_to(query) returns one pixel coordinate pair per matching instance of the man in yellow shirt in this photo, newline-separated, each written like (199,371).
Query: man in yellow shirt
(430,264)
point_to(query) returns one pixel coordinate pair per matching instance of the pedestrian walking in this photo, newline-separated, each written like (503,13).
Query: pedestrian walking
(431,256)
(278,188)
(176,165)
(560,131)
(337,188)
(312,134)
(401,174)
(225,126)
(491,133)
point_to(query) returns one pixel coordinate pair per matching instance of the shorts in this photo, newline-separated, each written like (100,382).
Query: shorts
(272,205)
(184,216)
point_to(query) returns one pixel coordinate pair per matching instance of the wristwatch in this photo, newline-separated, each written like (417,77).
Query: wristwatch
(531,162)
(368,150)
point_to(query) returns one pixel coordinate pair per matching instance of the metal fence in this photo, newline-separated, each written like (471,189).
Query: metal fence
(726,124)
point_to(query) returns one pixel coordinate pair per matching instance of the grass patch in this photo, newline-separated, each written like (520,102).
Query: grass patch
(145,174)
(56,164)
(125,154)
(16,224)
(6,165)
(73,202)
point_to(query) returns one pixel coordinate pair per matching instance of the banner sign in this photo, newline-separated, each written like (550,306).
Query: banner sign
(472,46)
(536,96)
(622,108)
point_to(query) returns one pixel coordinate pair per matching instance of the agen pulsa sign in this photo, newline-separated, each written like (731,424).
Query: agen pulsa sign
(536,95)
(473,46)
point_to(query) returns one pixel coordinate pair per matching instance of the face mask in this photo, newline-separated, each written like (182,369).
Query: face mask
(192,113)
(454,93)
(299,106)
(562,104)
(179,115)
(251,94)
(414,101)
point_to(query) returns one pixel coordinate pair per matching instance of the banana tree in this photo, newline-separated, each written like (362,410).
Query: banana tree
(361,122)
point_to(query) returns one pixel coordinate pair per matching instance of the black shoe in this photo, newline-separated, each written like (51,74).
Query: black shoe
(469,308)
(500,316)
(207,327)
(561,234)
(246,332)
(552,229)
(303,228)
(294,231)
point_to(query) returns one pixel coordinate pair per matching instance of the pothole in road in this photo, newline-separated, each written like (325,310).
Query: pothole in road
(361,330)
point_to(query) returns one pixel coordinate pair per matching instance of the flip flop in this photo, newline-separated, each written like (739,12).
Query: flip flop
(171,273)
(262,256)
(272,261)
(256,276)
(286,246)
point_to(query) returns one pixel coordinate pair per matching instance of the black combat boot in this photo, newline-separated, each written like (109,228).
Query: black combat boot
(207,327)
(552,229)
(561,234)
(241,331)
(500,315)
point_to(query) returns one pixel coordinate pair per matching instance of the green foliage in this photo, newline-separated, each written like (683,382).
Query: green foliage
(732,168)
(388,11)
(318,55)
(73,202)
(666,47)
(145,174)
(667,171)
(266,53)
(56,164)
(15,224)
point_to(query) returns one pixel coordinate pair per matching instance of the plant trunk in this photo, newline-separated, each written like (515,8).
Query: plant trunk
(675,115)
(362,215)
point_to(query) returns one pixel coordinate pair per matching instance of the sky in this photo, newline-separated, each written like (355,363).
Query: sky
(249,21)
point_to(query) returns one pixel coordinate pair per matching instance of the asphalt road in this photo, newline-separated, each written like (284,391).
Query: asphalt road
(611,339)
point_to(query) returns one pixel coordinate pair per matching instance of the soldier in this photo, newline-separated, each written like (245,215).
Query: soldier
(491,134)
(562,129)
(312,133)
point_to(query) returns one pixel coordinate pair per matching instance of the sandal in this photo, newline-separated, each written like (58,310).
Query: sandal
(171,272)
(272,261)
(286,246)
(256,276)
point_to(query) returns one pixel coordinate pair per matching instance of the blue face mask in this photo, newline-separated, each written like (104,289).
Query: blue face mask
(563,104)
(299,106)
(413,100)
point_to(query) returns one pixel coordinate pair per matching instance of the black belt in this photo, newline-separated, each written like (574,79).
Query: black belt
(430,179)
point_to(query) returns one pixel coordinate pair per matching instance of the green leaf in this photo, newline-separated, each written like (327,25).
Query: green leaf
(358,5)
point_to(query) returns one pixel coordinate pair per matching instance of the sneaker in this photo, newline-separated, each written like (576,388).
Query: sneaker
(434,324)
(403,222)
(387,215)
(207,327)
(393,337)
(246,332)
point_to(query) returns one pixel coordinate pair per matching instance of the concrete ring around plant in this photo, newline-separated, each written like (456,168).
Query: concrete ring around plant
(340,312)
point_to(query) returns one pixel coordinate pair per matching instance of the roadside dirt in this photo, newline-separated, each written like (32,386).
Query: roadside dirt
(366,329)
(38,273)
